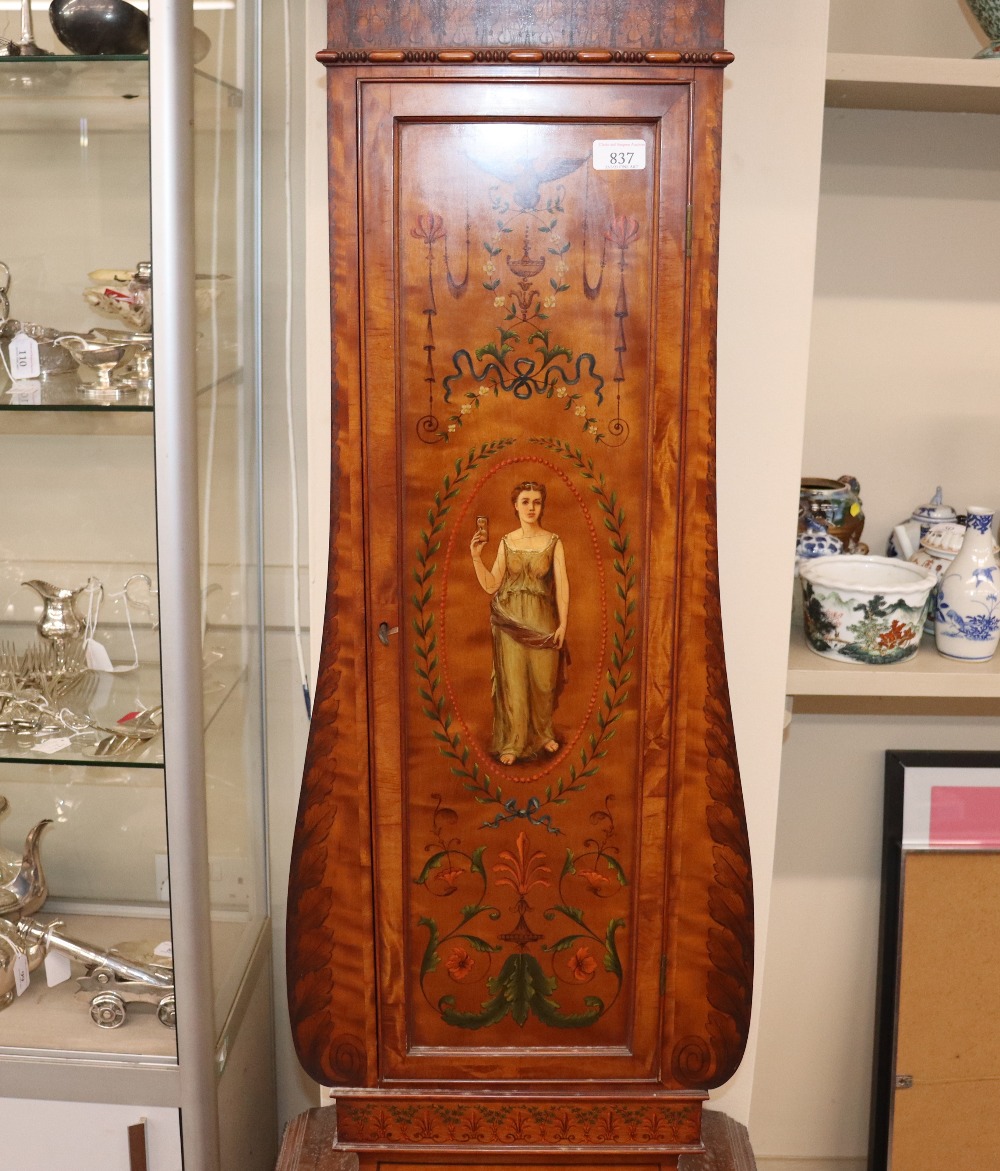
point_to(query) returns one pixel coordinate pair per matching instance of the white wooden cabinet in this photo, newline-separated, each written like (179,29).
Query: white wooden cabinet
(40,1135)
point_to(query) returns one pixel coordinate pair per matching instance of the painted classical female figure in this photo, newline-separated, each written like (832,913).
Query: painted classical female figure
(529,609)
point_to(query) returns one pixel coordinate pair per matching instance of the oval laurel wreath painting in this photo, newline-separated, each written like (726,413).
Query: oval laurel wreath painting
(522,695)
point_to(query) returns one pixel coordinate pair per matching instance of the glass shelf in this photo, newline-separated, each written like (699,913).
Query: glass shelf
(54,59)
(65,392)
(42,94)
(111,93)
(62,393)
(107,697)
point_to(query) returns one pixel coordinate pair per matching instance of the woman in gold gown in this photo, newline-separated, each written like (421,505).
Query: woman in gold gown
(529,609)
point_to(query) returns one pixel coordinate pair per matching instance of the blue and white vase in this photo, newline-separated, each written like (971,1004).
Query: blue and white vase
(967,614)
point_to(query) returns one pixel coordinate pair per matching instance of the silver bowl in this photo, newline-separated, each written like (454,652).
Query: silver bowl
(93,28)
(140,368)
(103,358)
(52,358)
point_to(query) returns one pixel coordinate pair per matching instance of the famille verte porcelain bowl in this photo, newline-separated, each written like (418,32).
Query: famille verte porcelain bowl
(865,609)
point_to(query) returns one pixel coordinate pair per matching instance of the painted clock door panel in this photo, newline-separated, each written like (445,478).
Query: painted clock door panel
(524,322)
(519,916)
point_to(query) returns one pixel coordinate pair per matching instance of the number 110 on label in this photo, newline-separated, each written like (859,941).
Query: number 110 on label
(619,154)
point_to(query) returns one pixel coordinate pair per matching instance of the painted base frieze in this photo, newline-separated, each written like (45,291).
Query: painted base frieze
(535,1124)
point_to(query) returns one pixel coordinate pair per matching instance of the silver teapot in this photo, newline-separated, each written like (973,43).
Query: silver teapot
(23,889)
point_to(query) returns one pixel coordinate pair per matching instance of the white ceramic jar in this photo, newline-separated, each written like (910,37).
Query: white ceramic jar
(906,537)
(938,549)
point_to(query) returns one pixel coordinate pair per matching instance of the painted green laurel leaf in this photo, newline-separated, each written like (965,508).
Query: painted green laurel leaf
(431,958)
(478,944)
(573,913)
(432,864)
(563,944)
(476,862)
(611,961)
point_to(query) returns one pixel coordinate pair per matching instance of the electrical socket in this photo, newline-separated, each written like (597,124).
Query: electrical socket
(228,882)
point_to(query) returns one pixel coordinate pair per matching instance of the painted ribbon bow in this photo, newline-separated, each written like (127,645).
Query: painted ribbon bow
(527,812)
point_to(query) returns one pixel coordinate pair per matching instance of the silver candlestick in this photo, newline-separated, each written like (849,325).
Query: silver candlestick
(27,42)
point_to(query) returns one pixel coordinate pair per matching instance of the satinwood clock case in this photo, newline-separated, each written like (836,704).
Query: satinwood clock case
(520,923)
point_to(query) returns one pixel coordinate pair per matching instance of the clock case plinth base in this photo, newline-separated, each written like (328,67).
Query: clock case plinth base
(312,1143)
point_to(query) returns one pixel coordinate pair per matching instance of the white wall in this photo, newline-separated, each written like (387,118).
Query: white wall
(310,379)
(772,118)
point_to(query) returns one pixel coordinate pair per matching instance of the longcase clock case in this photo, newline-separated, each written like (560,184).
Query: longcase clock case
(520,901)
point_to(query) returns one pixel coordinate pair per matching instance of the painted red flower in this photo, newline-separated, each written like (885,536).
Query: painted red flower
(429,228)
(597,882)
(459,963)
(622,231)
(582,964)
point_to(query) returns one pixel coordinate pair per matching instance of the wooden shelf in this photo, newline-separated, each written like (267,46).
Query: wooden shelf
(926,674)
(885,82)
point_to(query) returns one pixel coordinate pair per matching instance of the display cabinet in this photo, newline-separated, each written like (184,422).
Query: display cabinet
(130,671)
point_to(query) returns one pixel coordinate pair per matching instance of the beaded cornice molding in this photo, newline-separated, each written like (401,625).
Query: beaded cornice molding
(524,56)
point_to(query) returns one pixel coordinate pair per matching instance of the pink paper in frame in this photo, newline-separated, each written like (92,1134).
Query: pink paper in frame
(965,815)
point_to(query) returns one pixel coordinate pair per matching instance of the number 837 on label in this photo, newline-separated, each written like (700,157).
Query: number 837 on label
(619,154)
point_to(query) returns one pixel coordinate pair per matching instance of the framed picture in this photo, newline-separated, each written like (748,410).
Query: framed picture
(937,1035)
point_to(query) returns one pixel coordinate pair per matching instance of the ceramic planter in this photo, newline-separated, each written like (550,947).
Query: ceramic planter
(865,609)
